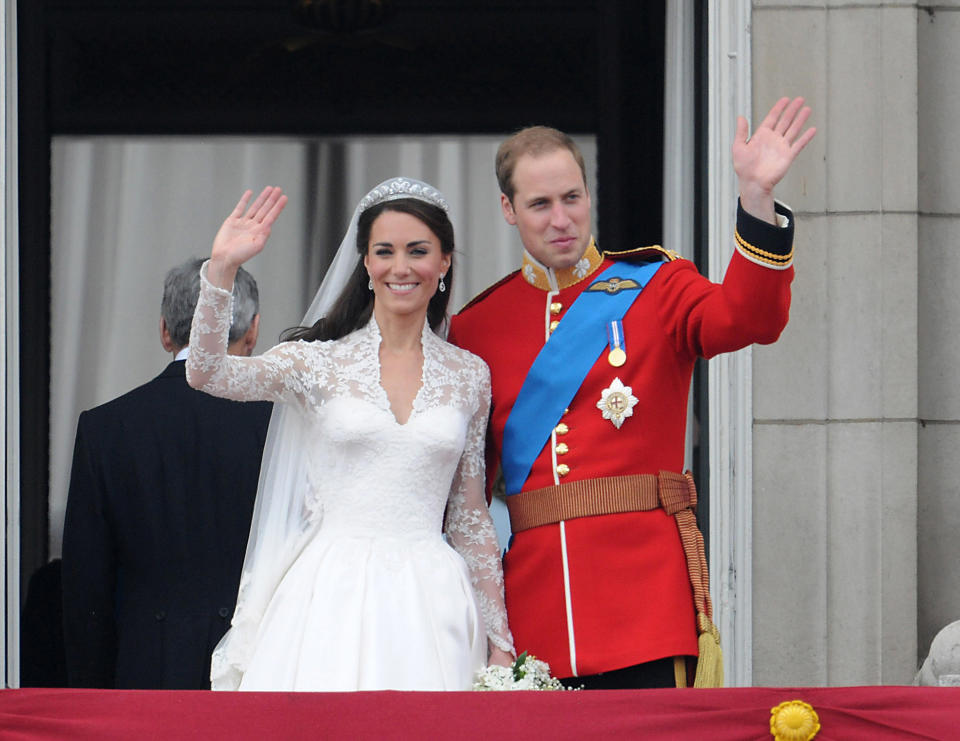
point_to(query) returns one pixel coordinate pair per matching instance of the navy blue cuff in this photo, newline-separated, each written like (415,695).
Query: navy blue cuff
(764,243)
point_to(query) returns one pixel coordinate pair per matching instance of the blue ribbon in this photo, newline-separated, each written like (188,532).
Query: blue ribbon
(562,364)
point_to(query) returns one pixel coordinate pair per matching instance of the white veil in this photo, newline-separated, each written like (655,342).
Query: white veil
(284,518)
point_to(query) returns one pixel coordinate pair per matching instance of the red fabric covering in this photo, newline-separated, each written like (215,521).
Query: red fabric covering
(848,713)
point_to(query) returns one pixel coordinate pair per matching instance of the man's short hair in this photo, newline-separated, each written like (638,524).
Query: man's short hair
(533,140)
(181,289)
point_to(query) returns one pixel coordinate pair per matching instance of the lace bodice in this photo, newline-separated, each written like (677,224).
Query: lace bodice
(369,475)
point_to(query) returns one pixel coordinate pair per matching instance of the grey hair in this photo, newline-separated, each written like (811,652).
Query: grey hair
(181,289)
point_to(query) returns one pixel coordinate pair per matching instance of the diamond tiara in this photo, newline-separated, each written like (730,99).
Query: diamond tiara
(394,188)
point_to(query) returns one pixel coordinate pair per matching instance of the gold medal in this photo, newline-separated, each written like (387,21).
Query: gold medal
(616,357)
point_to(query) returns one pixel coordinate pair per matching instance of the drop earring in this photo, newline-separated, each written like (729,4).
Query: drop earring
(441,286)
(370,284)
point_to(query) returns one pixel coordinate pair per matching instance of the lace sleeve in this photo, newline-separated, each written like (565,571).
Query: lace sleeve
(280,374)
(469,526)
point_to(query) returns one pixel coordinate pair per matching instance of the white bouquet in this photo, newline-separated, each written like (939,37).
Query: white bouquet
(526,673)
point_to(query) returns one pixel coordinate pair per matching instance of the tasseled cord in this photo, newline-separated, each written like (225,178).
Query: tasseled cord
(710,663)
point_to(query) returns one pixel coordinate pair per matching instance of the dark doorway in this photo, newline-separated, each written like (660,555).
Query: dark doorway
(321,67)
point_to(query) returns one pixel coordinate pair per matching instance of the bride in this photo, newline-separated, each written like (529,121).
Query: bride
(375,451)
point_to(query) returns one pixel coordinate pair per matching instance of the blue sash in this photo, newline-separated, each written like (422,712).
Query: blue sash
(563,363)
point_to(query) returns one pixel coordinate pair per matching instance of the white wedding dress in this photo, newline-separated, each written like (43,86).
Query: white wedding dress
(357,589)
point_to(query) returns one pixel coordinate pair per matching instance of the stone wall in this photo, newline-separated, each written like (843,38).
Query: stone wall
(835,567)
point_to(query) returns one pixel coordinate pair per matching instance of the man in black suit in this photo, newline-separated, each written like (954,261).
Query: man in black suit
(158,513)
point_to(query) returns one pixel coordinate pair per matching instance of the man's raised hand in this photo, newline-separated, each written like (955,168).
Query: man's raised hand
(762,160)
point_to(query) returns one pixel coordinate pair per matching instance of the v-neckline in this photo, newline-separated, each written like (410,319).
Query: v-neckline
(377,342)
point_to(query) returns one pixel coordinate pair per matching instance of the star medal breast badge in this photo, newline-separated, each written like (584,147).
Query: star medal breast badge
(617,402)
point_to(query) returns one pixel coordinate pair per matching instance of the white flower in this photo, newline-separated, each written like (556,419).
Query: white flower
(527,673)
(581,268)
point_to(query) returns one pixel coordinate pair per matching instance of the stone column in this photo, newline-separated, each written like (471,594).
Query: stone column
(9,390)
(938,526)
(835,400)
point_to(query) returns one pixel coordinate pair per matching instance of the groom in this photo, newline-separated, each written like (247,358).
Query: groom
(591,355)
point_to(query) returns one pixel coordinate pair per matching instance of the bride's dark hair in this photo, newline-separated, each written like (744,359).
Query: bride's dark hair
(353,307)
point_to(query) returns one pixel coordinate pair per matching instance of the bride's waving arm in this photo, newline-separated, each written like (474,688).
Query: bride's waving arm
(276,375)
(470,531)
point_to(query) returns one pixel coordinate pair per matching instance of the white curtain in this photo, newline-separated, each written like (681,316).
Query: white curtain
(125,210)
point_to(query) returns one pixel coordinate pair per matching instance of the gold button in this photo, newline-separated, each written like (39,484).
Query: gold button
(566,410)
(561,429)
(554,324)
(562,449)
(563,469)
(556,307)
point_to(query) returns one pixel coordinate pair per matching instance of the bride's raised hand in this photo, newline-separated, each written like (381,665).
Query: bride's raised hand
(244,233)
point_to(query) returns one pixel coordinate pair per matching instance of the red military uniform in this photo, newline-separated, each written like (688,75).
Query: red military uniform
(599,593)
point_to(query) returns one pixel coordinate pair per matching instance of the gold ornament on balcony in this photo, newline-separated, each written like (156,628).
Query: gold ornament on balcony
(794,721)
